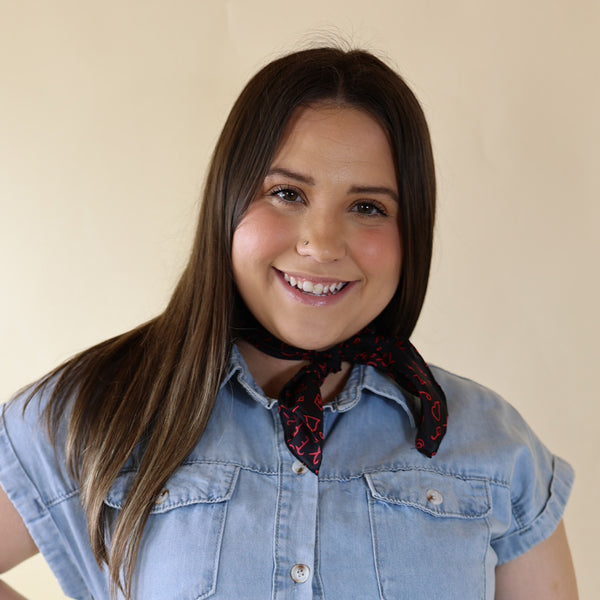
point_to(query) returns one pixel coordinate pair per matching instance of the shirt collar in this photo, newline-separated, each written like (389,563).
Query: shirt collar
(362,377)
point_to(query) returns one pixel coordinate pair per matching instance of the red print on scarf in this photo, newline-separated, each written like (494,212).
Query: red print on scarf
(301,405)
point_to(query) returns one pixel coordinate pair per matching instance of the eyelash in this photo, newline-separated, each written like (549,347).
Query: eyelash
(378,208)
(276,192)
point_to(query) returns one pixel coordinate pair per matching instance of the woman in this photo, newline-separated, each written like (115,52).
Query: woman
(273,433)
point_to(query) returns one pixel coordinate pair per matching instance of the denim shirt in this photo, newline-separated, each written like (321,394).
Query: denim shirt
(241,518)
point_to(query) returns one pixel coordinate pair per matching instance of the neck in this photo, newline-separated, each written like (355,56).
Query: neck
(271,373)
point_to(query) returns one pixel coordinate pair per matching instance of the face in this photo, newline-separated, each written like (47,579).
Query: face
(317,256)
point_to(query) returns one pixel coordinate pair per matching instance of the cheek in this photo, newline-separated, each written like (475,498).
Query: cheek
(246,241)
(380,255)
(260,236)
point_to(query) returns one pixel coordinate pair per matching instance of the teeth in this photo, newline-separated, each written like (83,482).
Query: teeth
(317,289)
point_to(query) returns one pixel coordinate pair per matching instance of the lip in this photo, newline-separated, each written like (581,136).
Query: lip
(309,299)
(313,278)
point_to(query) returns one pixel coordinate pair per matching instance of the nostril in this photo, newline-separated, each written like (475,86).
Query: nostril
(325,247)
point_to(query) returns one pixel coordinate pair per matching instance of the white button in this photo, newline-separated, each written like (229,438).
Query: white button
(299,467)
(162,496)
(300,573)
(434,496)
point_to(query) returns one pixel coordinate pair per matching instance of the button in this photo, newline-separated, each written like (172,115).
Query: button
(299,467)
(300,573)
(434,496)
(162,496)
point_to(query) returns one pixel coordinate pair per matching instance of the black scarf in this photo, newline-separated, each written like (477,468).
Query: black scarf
(300,402)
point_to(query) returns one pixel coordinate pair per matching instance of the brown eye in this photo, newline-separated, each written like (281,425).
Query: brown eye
(287,195)
(369,208)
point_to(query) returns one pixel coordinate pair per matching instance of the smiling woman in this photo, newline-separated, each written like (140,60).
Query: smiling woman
(275,419)
(317,255)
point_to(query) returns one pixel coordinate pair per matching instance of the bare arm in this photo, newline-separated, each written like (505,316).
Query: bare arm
(7,593)
(543,573)
(16,546)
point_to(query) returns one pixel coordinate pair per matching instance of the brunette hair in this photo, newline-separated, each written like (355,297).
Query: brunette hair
(156,385)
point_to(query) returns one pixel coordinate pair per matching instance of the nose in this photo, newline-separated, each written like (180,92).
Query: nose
(322,239)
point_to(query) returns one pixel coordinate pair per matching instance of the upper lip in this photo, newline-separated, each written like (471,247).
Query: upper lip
(313,278)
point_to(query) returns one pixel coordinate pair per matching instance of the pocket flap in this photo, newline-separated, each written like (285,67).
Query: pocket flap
(190,484)
(435,493)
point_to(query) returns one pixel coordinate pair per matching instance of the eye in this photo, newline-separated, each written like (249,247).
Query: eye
(369,208)
(286,194)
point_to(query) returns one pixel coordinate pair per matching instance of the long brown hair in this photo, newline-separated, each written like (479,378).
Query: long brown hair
(156,385)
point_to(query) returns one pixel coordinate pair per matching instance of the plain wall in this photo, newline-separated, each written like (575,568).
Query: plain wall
(108,115)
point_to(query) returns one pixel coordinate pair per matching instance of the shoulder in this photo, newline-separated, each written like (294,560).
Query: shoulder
(488,438)
(487,428)
(463,392)
(26,449)
(482,422)
(23,415)
(27,409)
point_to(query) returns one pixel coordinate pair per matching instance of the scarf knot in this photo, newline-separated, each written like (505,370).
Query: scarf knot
(326,362)
(301,404)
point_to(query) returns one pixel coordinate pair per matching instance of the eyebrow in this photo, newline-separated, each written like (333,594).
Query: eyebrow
(355,189)
(291,175)
(374,189)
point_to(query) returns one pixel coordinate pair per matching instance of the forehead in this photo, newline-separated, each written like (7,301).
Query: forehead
(330,135)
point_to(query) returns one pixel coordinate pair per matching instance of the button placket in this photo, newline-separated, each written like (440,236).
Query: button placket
(296,529)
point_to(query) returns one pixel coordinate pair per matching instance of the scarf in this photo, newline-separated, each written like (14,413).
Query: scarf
(301,405)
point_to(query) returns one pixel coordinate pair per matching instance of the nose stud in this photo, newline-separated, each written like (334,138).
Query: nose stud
(305,243)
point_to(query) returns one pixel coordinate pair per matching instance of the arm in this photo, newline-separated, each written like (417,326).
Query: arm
(7,593)
(543,573)
(16,546)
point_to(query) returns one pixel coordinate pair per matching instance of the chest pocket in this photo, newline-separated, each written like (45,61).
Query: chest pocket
(179,553)
(430,534)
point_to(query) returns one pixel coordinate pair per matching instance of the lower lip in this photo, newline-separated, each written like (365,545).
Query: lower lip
(310,299)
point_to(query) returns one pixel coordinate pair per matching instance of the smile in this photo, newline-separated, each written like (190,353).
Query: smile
(314,289)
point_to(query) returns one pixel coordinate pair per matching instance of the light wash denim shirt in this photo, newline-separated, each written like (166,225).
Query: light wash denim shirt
(242,519)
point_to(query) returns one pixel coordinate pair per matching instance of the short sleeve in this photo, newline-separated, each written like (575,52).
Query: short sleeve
(36,482)
(529,485)
(540,486)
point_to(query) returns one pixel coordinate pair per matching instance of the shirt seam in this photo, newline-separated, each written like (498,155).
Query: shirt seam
(460,476)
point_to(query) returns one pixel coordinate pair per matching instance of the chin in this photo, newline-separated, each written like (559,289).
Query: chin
(311,342)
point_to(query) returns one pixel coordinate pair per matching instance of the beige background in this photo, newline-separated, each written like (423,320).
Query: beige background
(109,111)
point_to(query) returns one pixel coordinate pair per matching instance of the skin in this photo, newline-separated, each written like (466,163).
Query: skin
(544,572)
(332,183)
(16,545)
